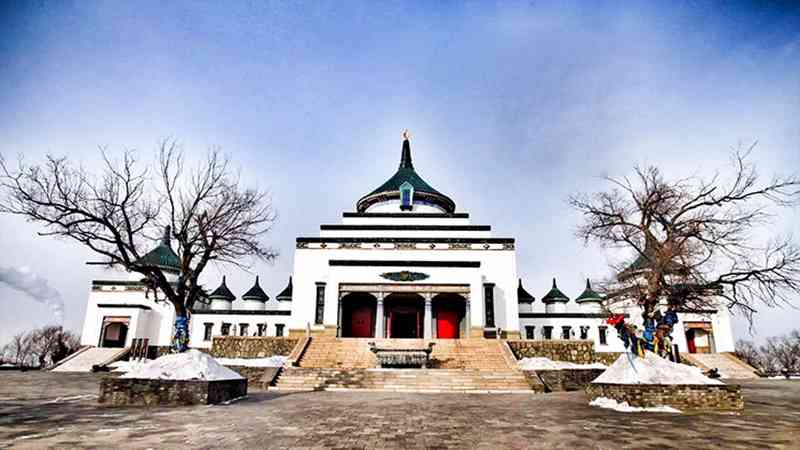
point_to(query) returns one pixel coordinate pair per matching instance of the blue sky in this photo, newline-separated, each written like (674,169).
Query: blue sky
(512,105)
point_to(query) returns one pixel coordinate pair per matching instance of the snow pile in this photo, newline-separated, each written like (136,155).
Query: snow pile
(548,364)
(652,369)
(127,366)
(272,361)
(610,403)
(191,365)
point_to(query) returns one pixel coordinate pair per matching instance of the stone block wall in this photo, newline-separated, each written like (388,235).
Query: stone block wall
(568,379)
(130,391)
(579,352)
(251,347)
(685,397)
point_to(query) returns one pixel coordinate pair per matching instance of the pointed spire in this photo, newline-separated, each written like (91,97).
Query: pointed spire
(256,293)
(222,292)
(405,157)
(522,295)
(286,293)
(167,239)
(555,295)
(589,295)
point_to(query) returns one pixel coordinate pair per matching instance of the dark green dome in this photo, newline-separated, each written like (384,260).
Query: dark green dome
(256,294)
(162,256)
(222,293)
(589,295)
(286,293)
(390,190)
(522,295)
(555,295)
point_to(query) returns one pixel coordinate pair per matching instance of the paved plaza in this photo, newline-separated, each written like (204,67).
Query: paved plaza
(49,410)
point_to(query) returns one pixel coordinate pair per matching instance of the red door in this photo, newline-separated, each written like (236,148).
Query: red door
(447,324)
(361,322)
(690,341)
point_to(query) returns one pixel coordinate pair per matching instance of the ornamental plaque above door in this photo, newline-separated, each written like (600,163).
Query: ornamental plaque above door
(405,276)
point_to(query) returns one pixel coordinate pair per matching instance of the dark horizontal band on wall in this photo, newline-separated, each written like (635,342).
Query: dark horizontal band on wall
(409,227)
(411,215)
(241,312)
(567,315)
(383,263)
(123,305)
(392,240)
(697,311)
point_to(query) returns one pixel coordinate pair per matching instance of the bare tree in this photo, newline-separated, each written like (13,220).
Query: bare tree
(52,343)
(117,213)
(20,350)
(784,352)
(693,240)
(748,352)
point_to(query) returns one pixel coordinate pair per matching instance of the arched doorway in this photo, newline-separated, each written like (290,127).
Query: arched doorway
(358,315)
(405,314)
(448,313)
(114,333)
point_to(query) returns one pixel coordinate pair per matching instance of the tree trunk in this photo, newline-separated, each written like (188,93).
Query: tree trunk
(180,340)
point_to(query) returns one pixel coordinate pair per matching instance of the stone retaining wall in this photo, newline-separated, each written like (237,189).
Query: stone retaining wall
(131,391)
(579,352)
(685,397)
(251,347)
(567,379)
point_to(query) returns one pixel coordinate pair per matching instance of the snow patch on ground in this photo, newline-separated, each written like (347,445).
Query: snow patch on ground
(191,365)
(272,361)
(610,403)
(781,377)
(651,369)
(539,363)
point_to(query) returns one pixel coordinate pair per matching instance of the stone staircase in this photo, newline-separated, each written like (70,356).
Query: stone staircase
(354,353)
(729,365)
(458,365)
(402,380)
(88,357)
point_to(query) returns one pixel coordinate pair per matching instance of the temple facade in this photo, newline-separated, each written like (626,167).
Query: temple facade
(404,265)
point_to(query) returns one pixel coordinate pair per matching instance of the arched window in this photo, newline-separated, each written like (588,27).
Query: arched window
(406,196)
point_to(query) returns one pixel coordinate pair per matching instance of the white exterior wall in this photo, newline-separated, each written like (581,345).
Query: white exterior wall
(406,233)
(720,322)
(154,324)
(496,266)
(199,319)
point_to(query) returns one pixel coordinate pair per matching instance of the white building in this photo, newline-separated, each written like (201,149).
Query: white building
(405,264)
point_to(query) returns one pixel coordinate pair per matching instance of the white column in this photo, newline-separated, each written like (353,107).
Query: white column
(428,323)
(467,316)
(379,319)
(339,315)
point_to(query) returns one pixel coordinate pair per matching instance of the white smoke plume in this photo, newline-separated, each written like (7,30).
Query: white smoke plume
(36,287)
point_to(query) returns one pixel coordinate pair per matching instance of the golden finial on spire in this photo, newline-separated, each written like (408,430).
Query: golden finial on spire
(406,134)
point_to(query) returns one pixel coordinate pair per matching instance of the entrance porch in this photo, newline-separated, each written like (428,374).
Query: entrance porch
(400,311)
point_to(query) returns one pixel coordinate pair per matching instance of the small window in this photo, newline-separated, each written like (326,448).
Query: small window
(279,329)
(243,329)
(547,332)
(261,328)
(530,332)
(406,196)
(566,332)
(603,335)
(584,332)
(320,312)
(226,329)
(208,331)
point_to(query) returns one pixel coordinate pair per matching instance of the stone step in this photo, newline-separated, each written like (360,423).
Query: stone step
(421,380)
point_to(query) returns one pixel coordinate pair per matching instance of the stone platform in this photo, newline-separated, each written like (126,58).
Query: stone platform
(142,392)
(685,397)
(560,380)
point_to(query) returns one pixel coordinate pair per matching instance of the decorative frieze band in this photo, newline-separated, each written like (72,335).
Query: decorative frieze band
(505,246)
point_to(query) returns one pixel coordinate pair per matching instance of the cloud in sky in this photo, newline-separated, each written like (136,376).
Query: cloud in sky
(512,105)
(36,288)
